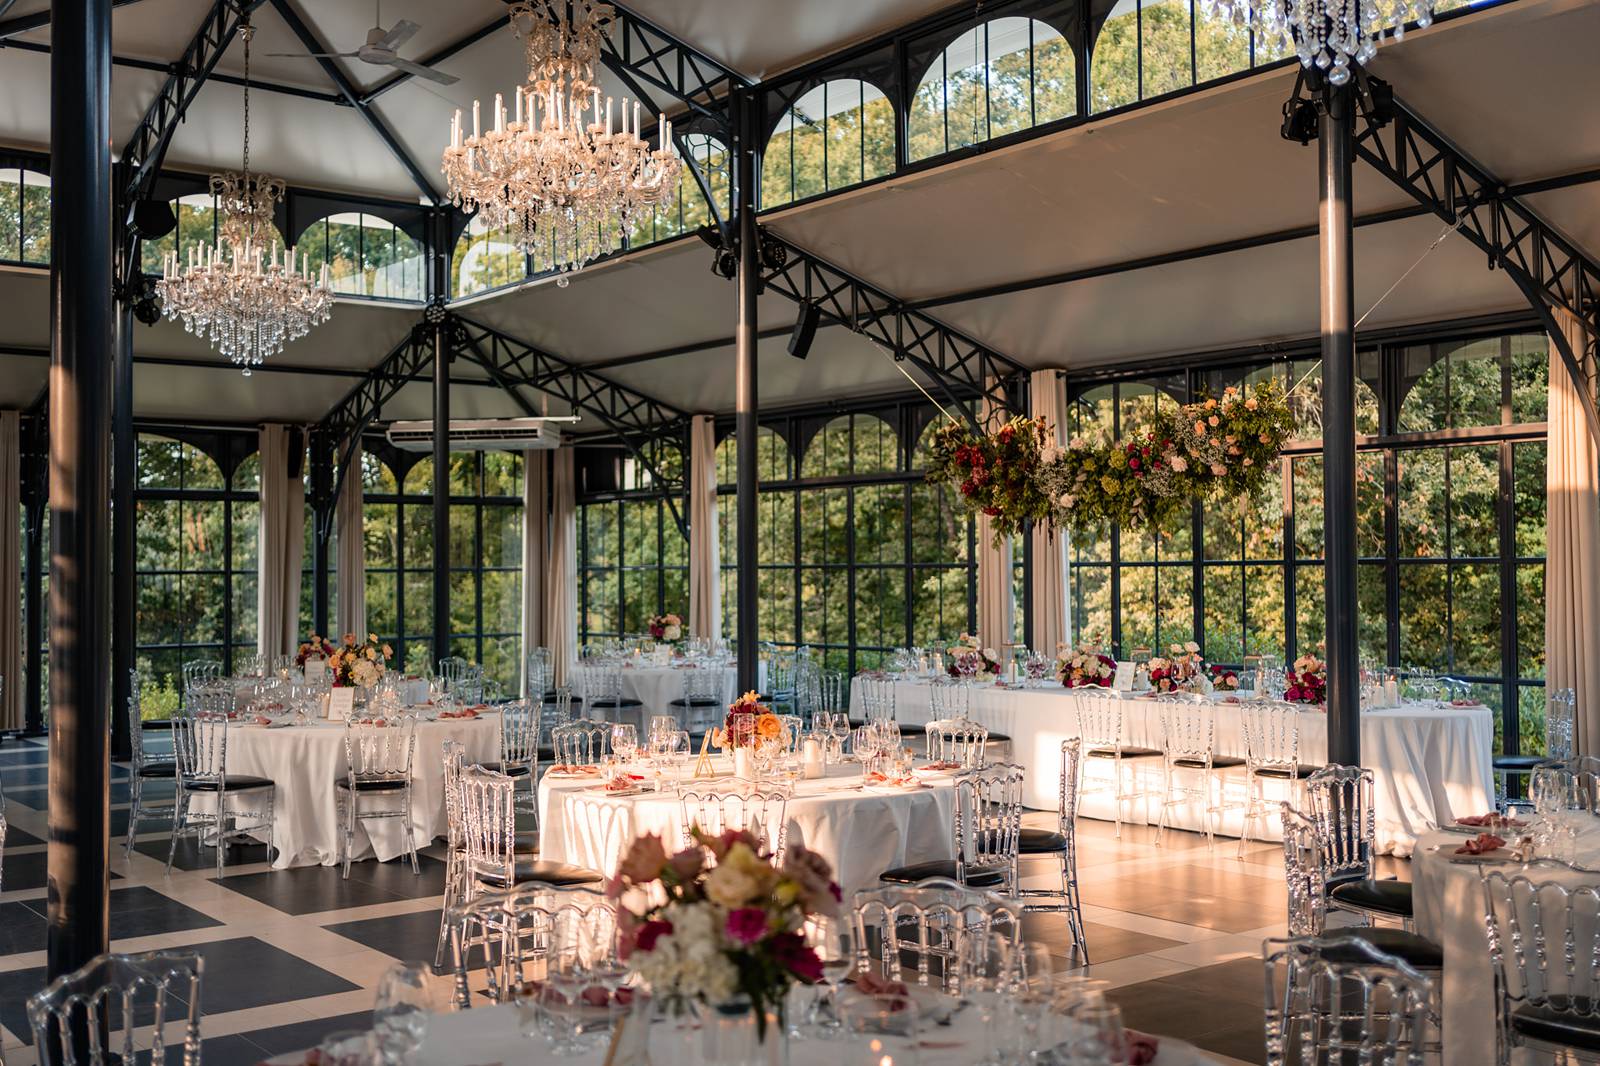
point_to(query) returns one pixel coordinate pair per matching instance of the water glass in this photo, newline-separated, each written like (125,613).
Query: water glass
(625,741)
(880,1030)
(400,1015)
(1099,1038)
(348,1047)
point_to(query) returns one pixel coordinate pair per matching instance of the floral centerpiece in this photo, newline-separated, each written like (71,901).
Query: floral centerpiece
(996,474)
(314,647)
(1306,681)
(748,723)
(720,922)
(1180,671)
(1084,665)
(360,663)
(666,627)
(1224,680)
(969,658)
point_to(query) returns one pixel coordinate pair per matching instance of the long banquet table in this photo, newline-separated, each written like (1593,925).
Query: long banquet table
(1430,764)
(861,832)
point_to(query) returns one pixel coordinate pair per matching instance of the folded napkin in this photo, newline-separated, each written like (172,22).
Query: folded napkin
(1481,843)
(871,984)
(1142,1047)
(1492,820)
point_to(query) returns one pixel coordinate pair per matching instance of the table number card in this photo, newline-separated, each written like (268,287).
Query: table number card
(1122,680)
(315,668)
(341,703)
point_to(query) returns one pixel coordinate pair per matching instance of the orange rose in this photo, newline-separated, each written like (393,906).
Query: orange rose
(768,727)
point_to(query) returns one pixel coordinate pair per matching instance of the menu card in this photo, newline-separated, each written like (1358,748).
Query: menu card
(341,703)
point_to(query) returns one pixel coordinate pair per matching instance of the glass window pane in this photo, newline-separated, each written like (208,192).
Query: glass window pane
(1422,502)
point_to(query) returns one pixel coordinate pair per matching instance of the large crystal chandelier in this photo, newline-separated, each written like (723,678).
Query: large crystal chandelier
(1330,35)
(247,294)
(565,181)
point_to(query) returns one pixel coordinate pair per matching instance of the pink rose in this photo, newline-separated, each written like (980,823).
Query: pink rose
(686,865)
(747,925)
(650,932)
(814,875)
(645,858)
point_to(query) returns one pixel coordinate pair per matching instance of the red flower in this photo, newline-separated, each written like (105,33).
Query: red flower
(1133,463)
(747,924)
(789,951)
(649,933)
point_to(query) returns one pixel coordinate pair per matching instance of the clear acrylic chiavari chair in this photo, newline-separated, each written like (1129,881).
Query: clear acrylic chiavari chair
(984,835)
(581,742)
(1060,842)
(118,1009)
(242,804)
(1342,1000)
(377,782)
(145,766)
(877,696)
(1188,750)
(948,698)
(1271,734)
(761,812)
(958,740)
(519,747)
(927,925)
(700,706)
(1340,799)
(506,935)
(491,856)
(1100,725)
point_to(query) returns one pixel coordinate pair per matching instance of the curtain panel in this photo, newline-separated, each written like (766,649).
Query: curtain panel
(1047,583)
(705,561)
(11,573)
(349,524)
(1572,567)
(282,544)
(561,569)
(535,552)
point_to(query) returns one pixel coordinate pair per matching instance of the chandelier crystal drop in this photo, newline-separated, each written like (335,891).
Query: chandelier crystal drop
(247,295)
(564,179)
(1330,35)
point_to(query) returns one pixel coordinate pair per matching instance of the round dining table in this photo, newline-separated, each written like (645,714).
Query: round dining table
(304,761)
(861,831)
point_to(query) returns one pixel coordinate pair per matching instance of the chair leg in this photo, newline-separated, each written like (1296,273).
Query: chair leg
(180,815)
(348,837)
(1116,794)
(222,835)
(1069,894)
(1166,801)
(451,874)
(134,810)
(1249,813)
(411,835)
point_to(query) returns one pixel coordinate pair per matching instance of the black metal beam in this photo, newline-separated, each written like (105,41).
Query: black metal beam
(1551,270)
(124,545)
(322,504)
(352,96)
(133,63)
(83,324)
(35,500)
(692,78)
(38,20)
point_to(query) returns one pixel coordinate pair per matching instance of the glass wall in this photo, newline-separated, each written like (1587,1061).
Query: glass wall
(366,256)
(24,217)
(837,134)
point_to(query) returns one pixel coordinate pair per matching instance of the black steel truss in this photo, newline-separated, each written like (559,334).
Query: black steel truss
(660,60)
(1549,269)
(960,366)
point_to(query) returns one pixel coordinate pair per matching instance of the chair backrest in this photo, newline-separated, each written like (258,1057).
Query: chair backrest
(581,742)
(958,740)
(1271,734)
(702,683)
(762,812)
(597,681)
(1099,717)
(949,698)
(1341,812)
(928,926)
(135,721)
(380,752)
(519,732)
(200,746)
(1560,724)
(1381,1002)
(452,667)
(557,710)
(877,696)
(488,824)
(198,670)
(454,757)
(794,727)
(780,673)
(988,822)
(1188,729)
(807,686)
(113,999)
(1304,873)
(1071,767)
(834,691)
(511,931)
(1544,936)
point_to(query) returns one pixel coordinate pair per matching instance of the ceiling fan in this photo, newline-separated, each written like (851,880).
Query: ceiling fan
(380,50)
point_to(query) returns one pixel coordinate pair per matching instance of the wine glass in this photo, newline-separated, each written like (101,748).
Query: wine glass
(348,1047)
(834,941)
(880,1029)
(624,741)
(400,1016)
(1100,1035)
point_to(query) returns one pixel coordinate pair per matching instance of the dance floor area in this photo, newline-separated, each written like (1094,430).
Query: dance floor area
(293,954)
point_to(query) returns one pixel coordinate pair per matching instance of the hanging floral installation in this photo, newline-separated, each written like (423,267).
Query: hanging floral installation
(1217,448)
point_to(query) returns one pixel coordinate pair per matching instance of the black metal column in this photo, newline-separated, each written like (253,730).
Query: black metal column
(1336,150)
(441,491)
(745,343)
(323,504)
(82,327)
(34,497)
(124,522)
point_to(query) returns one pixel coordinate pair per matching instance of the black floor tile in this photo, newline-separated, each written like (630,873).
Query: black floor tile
(20,838)
(135,911)
(191,855)
(407,937)
(38,796)
(21,928)
(1247,1043)
(29,756)
(28,871)
(35,775)
(302,1035)
(311,889)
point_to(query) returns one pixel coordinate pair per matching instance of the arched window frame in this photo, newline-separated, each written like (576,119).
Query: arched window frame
(816,108)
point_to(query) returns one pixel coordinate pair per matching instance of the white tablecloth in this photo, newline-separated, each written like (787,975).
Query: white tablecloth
(861,833)
(1430,764)
(305,761)
(1450,910)
(657,686)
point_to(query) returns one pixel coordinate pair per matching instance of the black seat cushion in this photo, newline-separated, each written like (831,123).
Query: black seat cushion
(550,697)
(697,701)
(1127,753)
(1041,842)
(1418,951)
(1300,773)
(233,783)
(1218,762)
(373,786)
(1385,897)
(626,701)
(1567,1020)
(159,769)
(1006,737)
(1518,763)
(546,873)
(499,768)
(921,871)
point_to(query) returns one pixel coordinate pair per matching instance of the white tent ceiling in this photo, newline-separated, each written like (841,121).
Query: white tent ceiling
(1506,84)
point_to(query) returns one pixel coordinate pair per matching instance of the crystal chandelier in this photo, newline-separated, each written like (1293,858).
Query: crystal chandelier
(553,173)
(247,294)
(1330,35)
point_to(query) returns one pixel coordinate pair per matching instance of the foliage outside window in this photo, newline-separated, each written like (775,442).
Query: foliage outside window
(486,516)
(485,259)
(839,133)
(366,256)
(1006,75)
(24,217)
(687,210)
(196,228)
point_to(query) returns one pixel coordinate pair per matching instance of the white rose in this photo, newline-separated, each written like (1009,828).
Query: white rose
(729,887)
(1192,647)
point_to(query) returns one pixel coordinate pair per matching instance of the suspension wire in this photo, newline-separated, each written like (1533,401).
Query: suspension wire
(900,367)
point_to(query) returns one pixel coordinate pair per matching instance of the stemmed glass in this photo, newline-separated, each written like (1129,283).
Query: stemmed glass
(400,1015)
(834,941)
(880,1029)
(567,974)
(985,963)
(624,741)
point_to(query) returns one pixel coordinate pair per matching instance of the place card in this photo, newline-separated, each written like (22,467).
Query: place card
(315,668)
(341,703)
(1122,680)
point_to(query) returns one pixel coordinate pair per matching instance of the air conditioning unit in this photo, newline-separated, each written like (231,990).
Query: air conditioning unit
(481,434)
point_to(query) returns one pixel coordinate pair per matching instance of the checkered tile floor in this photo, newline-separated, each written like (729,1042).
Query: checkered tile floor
(293,954)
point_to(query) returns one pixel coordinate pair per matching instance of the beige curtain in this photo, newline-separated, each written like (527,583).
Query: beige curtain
(1572,567)
(535,551)
(1047,581)
(282,542)
(995,599)
(561,570)
(349,518)
(705,558)
(10,570)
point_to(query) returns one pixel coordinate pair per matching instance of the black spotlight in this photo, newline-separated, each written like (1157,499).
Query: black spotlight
(773,253)
(152,219)
(146,303)
(1299,120)
(725,263)
(805,329)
